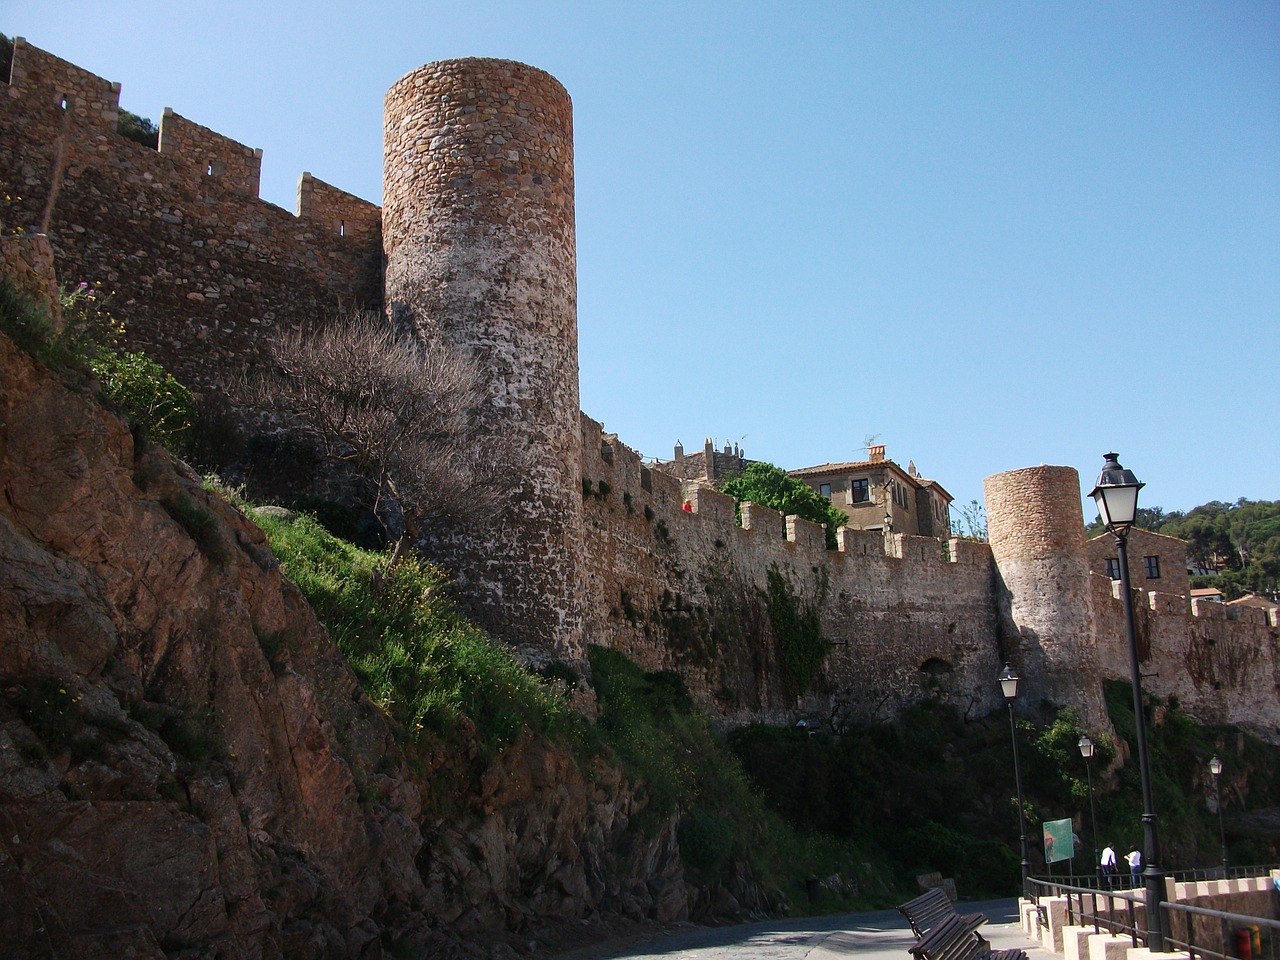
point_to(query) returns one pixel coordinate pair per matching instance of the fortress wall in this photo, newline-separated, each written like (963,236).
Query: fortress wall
(686,590)
(201,268)
(1220,669)
(204,153)
(82,98)
(337,213)
(203,271)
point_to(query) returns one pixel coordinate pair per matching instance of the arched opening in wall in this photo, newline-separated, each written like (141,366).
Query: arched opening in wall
(646,481)
(63,103)
(342,228)
(606,452)
(208,171)
(937,667)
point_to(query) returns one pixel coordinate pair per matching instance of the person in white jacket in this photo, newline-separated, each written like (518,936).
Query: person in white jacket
(1108,865)
(1134,857)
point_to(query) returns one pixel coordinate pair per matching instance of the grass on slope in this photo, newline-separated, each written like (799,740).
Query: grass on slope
(415,655)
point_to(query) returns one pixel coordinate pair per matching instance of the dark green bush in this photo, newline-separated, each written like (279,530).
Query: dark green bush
(149,397)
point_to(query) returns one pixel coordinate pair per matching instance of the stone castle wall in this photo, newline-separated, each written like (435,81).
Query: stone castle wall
(688,591)
(1222,664)
(202,267)
(480,252)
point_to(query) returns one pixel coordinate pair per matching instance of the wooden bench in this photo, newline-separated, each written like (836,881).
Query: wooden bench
(930,908)
(956,938)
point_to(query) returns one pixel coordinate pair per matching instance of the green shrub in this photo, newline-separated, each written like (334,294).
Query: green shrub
(148,396)
(706,842)
(87,343)
(26,324)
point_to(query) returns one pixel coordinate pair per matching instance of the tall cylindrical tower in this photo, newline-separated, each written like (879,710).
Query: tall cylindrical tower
(1036,528)
(478,230)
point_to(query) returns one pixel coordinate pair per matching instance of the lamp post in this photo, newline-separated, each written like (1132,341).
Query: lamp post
(1215,767)
(1116,494)
(1009,687)
(1086,751)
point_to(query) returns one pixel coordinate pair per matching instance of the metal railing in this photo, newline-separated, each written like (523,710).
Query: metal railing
(1218,873)
(1263,934)
(1200,932)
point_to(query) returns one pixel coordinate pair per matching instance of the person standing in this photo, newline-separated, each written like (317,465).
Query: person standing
(1134,857)
(1108,865)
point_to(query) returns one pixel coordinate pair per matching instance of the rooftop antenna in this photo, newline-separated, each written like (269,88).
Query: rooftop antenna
(870,440)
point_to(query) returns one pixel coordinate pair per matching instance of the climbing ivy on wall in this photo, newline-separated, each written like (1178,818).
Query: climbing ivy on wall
(797,630)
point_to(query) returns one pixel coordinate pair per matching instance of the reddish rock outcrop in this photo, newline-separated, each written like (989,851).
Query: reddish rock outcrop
(188,767)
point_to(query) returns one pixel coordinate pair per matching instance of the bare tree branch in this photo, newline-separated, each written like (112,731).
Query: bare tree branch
(401,412)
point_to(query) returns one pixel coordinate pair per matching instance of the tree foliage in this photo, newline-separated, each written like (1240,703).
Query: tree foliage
(138,129)
(970,522)
(403,413)
(773,487)
(6,57)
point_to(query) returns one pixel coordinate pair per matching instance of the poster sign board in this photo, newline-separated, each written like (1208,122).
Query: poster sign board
(1058,841)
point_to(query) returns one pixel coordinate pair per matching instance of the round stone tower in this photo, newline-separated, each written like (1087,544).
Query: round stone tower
(478,231)
(1036,528)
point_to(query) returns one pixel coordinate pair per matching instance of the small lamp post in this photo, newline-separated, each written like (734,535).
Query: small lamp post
(1009,687)
(1086,751)
(1116,494)
(1215,767)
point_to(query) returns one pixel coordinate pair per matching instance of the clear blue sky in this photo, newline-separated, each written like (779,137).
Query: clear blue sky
(992,234)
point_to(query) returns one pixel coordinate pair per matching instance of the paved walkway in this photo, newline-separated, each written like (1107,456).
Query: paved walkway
(882,935)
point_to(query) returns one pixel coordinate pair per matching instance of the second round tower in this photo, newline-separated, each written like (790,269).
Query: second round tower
(1036,529)
(478,232)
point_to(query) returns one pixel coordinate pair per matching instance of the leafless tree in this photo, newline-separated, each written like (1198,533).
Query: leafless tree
(401,412)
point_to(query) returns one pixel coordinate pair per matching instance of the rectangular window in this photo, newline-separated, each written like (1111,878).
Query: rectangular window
(861,491)
(825,490)
(1152,565)
(1113,568)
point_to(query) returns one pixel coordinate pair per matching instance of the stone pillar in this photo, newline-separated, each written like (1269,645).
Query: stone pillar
(1036,528)
(478,229)
(27,261)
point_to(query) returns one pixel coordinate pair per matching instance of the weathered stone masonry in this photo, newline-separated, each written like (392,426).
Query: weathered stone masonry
(480,255)
(479,236)
(206,269)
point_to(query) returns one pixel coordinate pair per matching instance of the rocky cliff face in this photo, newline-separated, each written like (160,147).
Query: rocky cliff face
(189,768)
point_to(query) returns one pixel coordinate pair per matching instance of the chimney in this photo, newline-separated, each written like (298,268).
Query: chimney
(875,453)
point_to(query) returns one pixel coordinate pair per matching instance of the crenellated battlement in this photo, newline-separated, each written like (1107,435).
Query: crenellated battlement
(1221,663)
(338,213)
(83,98)
(178,231)
(712,514)
(200,152)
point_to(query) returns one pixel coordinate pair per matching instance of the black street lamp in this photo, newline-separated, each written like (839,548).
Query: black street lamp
(1215,767)
(1086,751)
(1009,686)
(1116,495)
